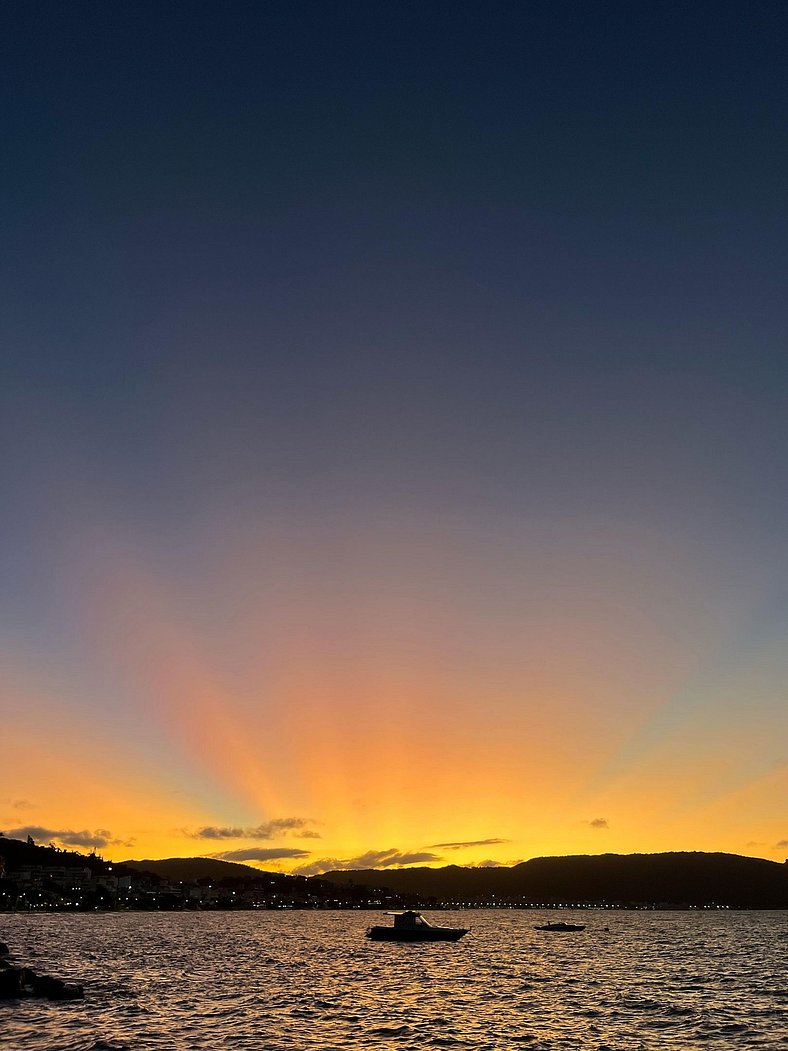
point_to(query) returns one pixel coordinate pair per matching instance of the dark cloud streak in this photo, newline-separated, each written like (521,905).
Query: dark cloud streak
(100,837)
(468,843)
(268,830)
(260,854)
(372,859)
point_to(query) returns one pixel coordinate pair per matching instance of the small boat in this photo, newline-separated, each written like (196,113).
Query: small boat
(560,926)
(411,926)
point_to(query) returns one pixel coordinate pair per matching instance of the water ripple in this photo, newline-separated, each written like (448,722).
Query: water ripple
(309,981)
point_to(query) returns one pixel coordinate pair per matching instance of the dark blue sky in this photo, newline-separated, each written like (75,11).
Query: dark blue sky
(403,240)
(552,180)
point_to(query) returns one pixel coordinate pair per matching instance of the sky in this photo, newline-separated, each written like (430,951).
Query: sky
(393,429)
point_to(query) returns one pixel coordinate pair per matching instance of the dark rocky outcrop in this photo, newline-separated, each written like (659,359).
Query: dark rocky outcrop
(11,983)
(55,988)
(16,982)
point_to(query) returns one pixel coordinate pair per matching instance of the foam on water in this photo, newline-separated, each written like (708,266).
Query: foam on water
(298,981)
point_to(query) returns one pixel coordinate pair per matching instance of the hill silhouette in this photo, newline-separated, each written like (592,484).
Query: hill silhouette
(691,879)
(669,879)
(17,853)
(213,870)
(187,869)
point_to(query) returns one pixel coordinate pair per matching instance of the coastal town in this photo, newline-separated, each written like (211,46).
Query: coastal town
(50,879)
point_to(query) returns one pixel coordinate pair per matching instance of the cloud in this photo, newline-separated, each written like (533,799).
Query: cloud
(781,843)
(469,843)
(23,804)
(598,822)
(260,854)
(279,827)
(373,859)
(101,837)
(386,858)
(215,832)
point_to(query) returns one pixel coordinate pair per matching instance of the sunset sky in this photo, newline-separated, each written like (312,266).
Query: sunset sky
(394,421)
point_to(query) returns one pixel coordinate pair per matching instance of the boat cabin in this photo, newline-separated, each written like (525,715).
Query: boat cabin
(410,920)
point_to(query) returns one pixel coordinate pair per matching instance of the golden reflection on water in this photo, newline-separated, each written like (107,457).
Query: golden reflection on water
(309,980)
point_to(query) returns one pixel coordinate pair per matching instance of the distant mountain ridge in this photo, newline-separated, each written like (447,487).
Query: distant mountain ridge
(676,878)
(670,879)
(186,869)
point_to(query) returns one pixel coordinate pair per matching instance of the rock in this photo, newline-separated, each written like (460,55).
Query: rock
(22,981)
(70,991)
(56,988)
(11,983)
(44,985)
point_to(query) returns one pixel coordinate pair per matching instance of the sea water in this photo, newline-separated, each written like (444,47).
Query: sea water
(296,981)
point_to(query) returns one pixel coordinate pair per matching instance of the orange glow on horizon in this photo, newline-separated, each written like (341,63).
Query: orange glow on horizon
(399,725)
